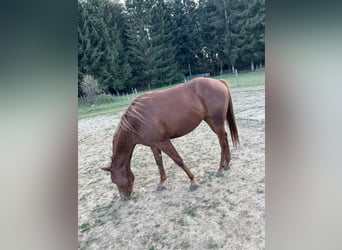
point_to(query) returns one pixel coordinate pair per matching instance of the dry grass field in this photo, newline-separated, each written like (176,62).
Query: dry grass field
(223,213)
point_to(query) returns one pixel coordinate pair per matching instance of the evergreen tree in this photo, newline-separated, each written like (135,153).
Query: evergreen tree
(211,32)
(254,28)
(166,69)
(81,46)
(115,22)
(185,33)
(149,43)
(221,29)
(138,41)
(98,46)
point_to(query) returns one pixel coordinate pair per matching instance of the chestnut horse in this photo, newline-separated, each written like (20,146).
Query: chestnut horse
(154,118)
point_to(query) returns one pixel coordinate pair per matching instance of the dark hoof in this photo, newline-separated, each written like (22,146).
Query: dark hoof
(161,188)
(219,174)
(193,187)
(226,167)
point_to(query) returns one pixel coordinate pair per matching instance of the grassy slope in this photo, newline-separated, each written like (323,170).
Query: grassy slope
(120,103)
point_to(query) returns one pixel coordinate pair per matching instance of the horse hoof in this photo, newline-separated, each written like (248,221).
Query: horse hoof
(193,187)
(161,188)
(219,174)
(226,167)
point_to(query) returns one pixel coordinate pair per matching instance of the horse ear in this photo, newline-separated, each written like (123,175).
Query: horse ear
(107,169)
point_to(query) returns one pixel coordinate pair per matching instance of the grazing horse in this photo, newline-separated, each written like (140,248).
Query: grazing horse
(152,119)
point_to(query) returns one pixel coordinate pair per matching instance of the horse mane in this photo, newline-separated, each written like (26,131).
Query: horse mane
(115,141)
(134,111)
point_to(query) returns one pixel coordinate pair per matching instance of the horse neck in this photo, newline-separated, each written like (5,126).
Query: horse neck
(123,147)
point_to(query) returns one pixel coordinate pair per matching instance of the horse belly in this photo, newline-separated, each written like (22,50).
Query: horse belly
(181,124)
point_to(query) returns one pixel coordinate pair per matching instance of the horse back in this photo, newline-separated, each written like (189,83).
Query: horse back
(174,112)
(168,114)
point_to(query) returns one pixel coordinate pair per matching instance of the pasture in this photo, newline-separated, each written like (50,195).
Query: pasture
(223,213)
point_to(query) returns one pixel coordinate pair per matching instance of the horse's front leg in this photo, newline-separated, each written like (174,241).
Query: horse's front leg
(158,157)
(169,149)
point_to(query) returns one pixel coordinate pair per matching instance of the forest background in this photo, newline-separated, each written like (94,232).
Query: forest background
(146,44)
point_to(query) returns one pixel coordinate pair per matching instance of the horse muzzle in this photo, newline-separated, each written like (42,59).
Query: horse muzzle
(125,197)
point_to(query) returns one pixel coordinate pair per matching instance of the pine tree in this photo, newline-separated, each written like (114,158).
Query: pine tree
(208,42)
(221,23)
(98,46)
(166,68)
(184,30)
(151,53)
(138,41)
(149,43)
(254,28)
(115,23)
(81,47)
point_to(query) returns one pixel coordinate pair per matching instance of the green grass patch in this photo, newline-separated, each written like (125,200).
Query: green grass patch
(191,211)
(120,103)
(254,78)
(99,222)
(84,227)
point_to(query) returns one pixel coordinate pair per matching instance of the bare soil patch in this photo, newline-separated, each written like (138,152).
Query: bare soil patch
(223,213)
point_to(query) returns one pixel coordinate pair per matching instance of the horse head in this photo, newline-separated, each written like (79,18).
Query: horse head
(123,178)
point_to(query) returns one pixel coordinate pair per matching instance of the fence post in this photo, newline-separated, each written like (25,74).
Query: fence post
(237,77)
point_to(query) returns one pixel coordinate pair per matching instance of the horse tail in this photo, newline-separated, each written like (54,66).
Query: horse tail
(231,118)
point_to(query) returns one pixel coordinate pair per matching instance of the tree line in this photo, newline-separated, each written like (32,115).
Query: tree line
(150,43)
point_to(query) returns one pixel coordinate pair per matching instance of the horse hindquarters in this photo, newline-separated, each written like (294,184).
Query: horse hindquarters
(217,100)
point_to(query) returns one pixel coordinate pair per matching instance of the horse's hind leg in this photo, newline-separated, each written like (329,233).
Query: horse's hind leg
(170,150)
(225,152)
(158,157)
(219,130)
